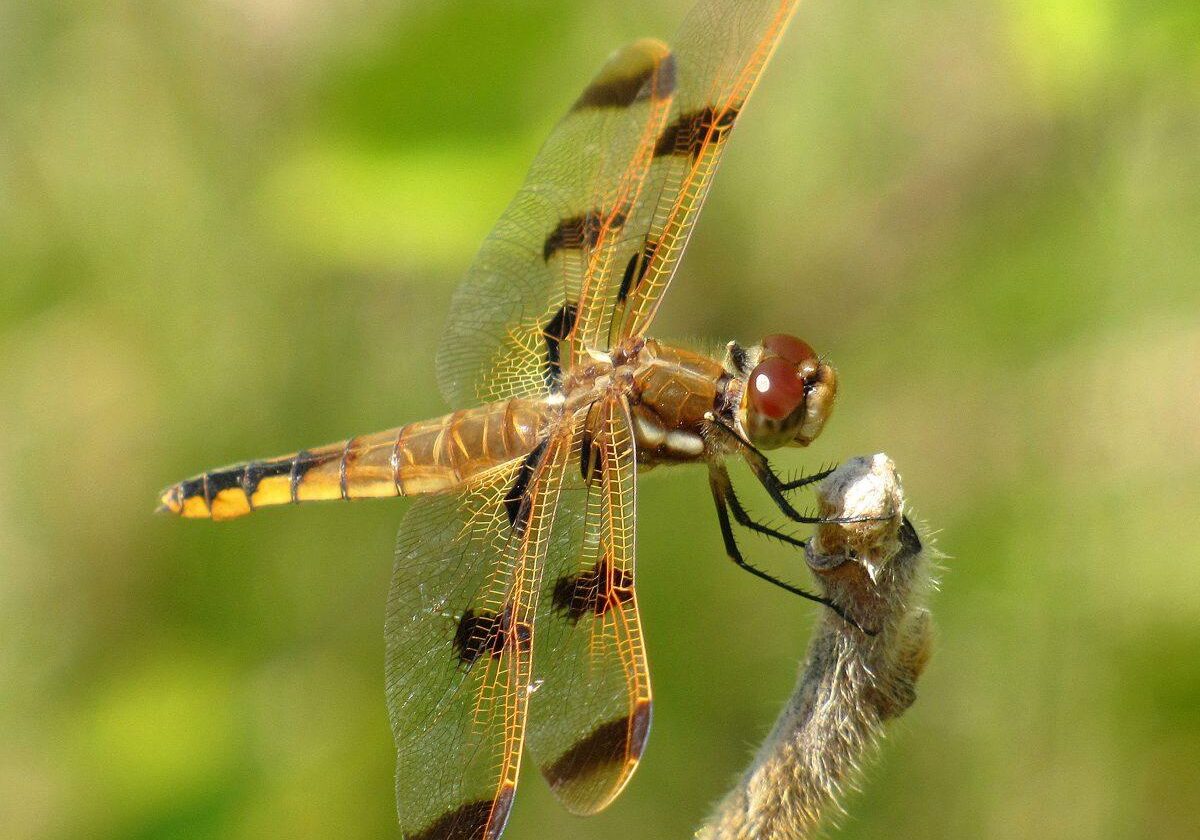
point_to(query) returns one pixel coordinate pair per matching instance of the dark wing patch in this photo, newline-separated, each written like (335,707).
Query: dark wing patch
(589,717)
(580,233)
(720,52)
(592,592)
(635,270)
(550,244)
(489,632)
(471,821)
(555,333)
(691,132)
(589,455)
(516,500)
(621,87)
(611,744)
(460,632)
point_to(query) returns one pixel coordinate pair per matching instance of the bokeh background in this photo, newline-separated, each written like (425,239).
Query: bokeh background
(231,229)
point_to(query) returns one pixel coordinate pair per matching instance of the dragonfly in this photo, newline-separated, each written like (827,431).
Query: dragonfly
(512,618)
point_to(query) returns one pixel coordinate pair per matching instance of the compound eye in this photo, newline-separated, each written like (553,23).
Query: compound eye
(789,347)
(776,389)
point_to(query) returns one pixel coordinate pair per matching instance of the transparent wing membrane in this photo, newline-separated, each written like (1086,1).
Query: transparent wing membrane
(460,631)
(529,274)
(720,52)
(591,714)
(585,251)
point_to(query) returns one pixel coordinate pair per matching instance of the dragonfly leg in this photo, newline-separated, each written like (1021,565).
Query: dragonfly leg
(726,501)
(776,487)
(805,480)
(742,517)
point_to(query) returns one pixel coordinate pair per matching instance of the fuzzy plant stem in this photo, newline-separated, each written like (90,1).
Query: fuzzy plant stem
(852,682)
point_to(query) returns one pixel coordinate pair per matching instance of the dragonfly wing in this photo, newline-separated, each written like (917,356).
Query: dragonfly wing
(591,712)
(460,630)
(520,298)
(720,52)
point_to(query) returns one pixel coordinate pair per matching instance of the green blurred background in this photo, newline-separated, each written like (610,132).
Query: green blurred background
(232,229)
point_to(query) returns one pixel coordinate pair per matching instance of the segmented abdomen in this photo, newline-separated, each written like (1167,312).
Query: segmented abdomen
(426,457)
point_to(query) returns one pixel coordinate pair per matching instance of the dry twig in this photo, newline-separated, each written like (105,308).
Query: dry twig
(878,572)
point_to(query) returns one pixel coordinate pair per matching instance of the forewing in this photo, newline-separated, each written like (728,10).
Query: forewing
(460,631)
(720,52)
(591,712)
(519,300)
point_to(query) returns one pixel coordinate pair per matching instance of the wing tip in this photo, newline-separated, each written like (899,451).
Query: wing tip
(484,819)
(644,69)
(616,743)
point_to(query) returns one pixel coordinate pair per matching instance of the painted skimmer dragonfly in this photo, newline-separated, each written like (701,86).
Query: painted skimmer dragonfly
(513,616)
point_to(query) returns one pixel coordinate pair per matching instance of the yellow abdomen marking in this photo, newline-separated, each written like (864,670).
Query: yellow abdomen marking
(426,457)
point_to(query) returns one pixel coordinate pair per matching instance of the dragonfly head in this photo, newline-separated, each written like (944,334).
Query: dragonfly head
(789,394)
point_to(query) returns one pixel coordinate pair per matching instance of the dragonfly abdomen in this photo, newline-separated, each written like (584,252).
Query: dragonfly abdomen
(430,456)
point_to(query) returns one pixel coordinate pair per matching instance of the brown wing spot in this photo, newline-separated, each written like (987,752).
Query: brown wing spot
(691,132)
(580,232)
(593,592)
(555,333)
(621,88)
(589,461)
(642,70)
(614,742)
(481,820)
(516,500)
(489,632)
(589,455)
(635,270)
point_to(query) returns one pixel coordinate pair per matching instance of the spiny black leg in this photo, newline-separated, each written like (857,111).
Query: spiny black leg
(805,480)
(722,492)
(742,517)
(776,487)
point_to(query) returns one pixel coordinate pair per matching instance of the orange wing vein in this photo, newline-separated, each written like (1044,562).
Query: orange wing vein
(591,714)
(460,632)
(720,53)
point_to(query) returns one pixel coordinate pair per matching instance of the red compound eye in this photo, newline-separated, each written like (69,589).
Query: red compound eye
(776,389)
(789,347)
